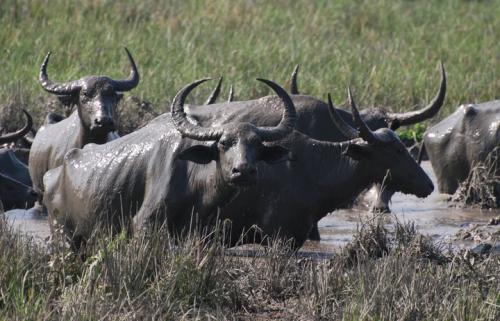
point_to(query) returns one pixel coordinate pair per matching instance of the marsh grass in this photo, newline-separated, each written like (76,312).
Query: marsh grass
(481,188)
(388,51)
(152,276)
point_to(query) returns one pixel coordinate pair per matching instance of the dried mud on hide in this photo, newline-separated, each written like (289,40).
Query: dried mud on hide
(482,187)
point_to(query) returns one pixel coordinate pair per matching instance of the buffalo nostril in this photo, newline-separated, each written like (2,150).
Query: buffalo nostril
(108,122)
(235,170)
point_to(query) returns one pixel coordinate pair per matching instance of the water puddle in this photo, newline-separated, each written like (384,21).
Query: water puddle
(32,225)
(433,216)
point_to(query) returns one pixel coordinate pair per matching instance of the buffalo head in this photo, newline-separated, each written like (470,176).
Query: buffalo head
(96,97)
(388,158)
(15,194)
(237,147)
(15,189)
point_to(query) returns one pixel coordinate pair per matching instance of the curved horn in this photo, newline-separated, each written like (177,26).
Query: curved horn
(133,79)
(20,133)
(293,82)
(339,122)
(230,97)
(412,117)
(288,120)
(186,128)
(364,131)
(215,93)
(53,87)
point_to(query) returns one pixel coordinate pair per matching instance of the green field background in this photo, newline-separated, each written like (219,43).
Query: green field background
(388,51)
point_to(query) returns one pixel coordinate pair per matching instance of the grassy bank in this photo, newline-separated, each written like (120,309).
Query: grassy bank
(381,275)
(387,50)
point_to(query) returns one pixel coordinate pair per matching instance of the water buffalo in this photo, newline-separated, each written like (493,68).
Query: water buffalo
(289,198)
(376,118)
(93,121)
(15,181)
(460,140)
(162,171)
(314,121)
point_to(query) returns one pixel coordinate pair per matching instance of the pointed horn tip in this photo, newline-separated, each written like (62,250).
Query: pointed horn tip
(26,112)
(443,71)
(267,81)
(330,100)
(202,80)
(128,53)
(330,104)
(349,96)
(28,116)
(46,59)
(219,83)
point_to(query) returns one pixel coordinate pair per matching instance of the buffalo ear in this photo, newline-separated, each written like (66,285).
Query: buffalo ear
(199,154)
(274,154)
(357,152)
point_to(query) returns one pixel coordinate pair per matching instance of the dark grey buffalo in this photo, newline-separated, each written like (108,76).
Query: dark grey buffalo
(313,119)
(166,170)
(15,182)
(460,140)
(93,121)
(289,198)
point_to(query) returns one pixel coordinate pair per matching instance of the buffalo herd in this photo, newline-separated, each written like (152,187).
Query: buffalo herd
(272,166)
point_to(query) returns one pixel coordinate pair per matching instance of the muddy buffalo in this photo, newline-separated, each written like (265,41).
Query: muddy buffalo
(289,198)
(15,181)
(461,140)
(314,120)
(165,171)
(95,98)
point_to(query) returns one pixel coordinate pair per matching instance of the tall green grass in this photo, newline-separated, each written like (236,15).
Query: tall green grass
(387,50)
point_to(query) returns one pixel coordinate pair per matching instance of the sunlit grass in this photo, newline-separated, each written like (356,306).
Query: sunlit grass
(387,50)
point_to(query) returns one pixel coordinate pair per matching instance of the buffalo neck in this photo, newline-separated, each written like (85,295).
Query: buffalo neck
(336,178)
(211,192)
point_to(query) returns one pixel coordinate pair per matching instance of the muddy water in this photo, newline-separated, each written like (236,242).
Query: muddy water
(33,225)
(433,216)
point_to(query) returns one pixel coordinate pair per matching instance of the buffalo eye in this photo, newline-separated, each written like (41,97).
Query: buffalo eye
(84,97)
(224,143)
